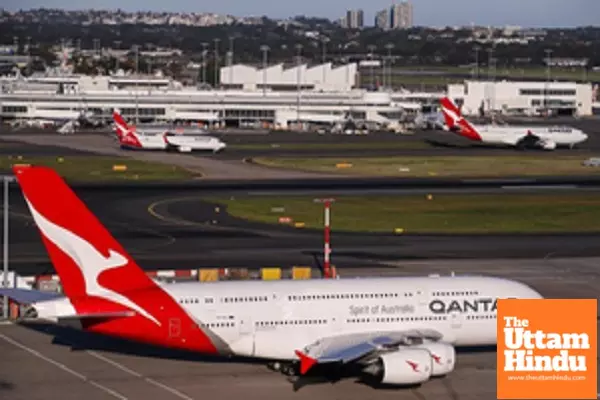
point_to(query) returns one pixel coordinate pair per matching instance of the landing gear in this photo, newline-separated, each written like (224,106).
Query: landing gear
(286,368)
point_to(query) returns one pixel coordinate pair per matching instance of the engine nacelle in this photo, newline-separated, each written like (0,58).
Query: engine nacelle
(408,366)
(443,357)
(547,144)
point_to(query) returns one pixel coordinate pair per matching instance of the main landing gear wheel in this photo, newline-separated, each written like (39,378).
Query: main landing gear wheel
(288,369)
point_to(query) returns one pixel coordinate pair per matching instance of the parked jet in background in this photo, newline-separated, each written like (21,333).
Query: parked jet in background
(539,137)
(400,330)
(131,139)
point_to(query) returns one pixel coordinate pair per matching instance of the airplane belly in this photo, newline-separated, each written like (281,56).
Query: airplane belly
(279,345)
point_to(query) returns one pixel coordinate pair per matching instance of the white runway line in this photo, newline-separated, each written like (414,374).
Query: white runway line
(138,375)
(63,367)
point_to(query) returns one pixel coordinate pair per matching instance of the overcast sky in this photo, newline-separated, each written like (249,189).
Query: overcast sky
(527,13)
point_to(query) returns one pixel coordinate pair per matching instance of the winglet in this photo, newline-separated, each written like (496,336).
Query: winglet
(306,362)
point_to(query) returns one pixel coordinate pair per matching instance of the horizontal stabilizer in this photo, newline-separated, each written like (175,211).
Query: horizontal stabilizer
(27,296)
(116,314)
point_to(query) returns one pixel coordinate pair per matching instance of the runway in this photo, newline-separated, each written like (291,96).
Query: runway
(75,366)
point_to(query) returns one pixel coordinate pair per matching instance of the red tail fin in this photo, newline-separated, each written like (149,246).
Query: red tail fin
(121,126)
(97,274)
(451,112)
(79,246)
(456,121)
(125,133)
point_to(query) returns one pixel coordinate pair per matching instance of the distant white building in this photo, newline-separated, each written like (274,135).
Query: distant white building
(522,97)
(322,77)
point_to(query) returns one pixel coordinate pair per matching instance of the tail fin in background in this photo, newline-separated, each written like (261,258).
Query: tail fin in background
(125,133)
(451,113)
(456,122)
(87,258)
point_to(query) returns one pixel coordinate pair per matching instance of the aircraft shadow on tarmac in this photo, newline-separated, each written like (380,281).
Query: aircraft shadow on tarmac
(332,373)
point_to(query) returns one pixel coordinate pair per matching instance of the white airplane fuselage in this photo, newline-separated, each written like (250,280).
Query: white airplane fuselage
(272,319)
(511,135)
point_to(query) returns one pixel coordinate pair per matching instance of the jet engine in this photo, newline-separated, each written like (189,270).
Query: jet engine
(547,144)
(408,366)
(443,357)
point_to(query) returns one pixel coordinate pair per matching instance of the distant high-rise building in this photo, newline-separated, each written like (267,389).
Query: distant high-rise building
(354,19)
(398,16)
(382,19)
(401,15)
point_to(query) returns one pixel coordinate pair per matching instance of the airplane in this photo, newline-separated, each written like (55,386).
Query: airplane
(131,139)
(400,331)
(537,137)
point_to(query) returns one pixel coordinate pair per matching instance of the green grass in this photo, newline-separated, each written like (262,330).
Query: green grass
(98,168)
(401,144)
(450,166)
(535,72)
(434,80)
(508,213)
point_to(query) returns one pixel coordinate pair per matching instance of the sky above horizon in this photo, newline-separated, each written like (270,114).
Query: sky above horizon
(526,13)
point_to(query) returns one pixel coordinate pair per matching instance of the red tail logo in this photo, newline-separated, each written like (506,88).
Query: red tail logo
(454,119)
(125,133)
(96,272)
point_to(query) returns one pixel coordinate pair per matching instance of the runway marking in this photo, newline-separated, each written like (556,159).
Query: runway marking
(151,210)
(63,367)
(138,375)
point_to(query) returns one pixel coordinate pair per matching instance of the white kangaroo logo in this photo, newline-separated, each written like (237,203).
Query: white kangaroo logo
(456,119)
(90,261)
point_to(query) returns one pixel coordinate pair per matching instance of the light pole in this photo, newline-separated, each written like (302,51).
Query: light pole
(217,40)
(117,44)
(298,60)
(548,62)
(265,49)
(230,60)
(389,48)
(324,44)
(327,271)
(490,84)
(204,51)
(477,49)
(7,180)
(137,77)
(372,48)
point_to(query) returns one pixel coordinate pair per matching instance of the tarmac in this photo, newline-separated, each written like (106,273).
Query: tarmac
(41,362)
(231,165)
(165,230)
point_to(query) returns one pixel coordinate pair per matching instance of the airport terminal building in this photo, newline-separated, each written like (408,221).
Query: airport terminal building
(529,98)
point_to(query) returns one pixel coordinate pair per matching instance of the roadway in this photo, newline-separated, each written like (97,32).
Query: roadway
(47,362)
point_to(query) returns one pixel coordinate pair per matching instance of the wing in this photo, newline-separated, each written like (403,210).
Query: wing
(27,296)
(357,347)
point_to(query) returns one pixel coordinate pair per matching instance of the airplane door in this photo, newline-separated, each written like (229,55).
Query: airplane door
(456,320)
(246,326)
(422,296)
(174,327)
(245,343)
